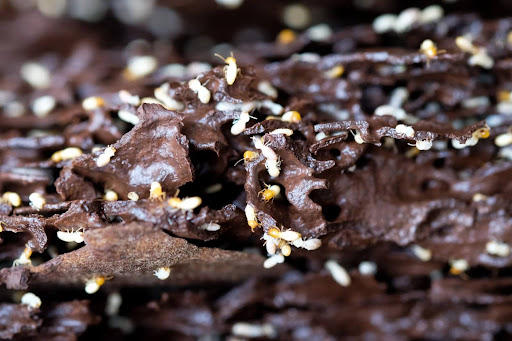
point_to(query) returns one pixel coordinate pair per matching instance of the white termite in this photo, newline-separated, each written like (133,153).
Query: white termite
(31,300)
(202,92)
(239,125)
(162,273)
(338,273)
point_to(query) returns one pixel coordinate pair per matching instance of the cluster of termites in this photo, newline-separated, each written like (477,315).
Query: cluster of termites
(278,244)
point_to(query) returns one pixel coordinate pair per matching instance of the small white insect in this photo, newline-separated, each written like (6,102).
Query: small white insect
(162,273)
(338,273)
(405,130)
(440,145)
(319,33)
(250,214)
(195,68)
(24,258)
(286,250)
(481,58)
(334,72)
(140,66)
(228,106)
(284,131)
(367,268)
(503,140)
(478,197)
(358,138)
(459,145)
(231,69)
(37,75)
(239,124)
(155,191)
(422,253)
(423,144)
(31,300)
(273,167)
(66,154)
(288,235)
(398,96)
(476,102)
(173,70)
(458,266)
(504,108)
(431,14)
(37,201)
(162,94)
(270,245)
(267,152)
(128,98)
(497,248)
(210,227)
(43,105)
(320,136)
(291,116)
(308,244)
(390,110)
(128,116)
(215,188)
(110,195)
(296,15)
(202,92)
(14,109)
(93,285)
(465,44)
(186,204)
(272,261)
(406,19)
(275,108)
(505,153)
(71,236)
(384,23)
(105,157)
(93,103)
(151,100)
(11,198)
(230,4)
(265,87)
(133,196)
(114,301)
(249,330)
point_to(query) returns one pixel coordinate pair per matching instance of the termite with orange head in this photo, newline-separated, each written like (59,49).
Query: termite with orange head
(270,192)
(231,69)
(156,192)
(24,258)
(185,204)
(250,214)
(430,50)
(288,235)
(93,285)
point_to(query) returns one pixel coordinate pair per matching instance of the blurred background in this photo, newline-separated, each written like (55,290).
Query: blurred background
(196,28)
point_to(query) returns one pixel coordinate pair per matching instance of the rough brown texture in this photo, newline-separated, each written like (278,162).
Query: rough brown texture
(371,201)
